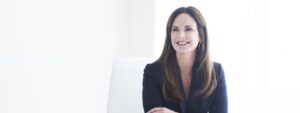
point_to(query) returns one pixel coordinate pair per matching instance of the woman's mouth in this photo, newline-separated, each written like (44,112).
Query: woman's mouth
(182,43)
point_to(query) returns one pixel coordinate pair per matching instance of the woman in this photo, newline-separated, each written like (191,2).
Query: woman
(184,79)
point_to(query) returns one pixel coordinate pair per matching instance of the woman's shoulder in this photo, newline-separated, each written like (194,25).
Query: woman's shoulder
(152,69)
(154,65)
(218,70)
(216,65)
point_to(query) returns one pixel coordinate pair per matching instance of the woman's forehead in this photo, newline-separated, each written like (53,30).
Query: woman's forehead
(183,20)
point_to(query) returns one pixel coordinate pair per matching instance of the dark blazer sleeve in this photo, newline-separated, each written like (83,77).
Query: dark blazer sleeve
(151,89)
(220,102)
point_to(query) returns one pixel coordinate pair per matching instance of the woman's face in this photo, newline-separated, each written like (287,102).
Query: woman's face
(184,34)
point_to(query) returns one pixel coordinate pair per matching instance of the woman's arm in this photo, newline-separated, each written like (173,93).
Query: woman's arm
(152,96)
(220,102)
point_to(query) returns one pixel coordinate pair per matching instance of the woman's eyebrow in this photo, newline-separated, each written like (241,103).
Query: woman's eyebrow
(187,26)
(184,26)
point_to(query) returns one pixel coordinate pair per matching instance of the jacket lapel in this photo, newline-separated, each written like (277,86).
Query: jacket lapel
(182,103)
(194,85)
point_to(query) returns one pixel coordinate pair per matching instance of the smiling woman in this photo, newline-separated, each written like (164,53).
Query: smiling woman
(184,34)
(184,79)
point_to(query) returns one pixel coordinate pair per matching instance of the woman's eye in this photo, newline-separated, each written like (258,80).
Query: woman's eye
(174,29)
(188,29)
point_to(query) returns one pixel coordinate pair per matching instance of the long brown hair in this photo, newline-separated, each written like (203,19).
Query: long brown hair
(203,64)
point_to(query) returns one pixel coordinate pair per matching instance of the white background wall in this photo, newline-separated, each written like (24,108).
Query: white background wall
(56,55)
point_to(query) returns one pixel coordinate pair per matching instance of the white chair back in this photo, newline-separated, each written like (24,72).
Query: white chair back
(125,93)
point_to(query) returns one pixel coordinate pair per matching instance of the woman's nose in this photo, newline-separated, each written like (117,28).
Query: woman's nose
(181,34)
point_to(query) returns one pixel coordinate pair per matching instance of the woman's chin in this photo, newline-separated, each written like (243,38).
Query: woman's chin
(184,51)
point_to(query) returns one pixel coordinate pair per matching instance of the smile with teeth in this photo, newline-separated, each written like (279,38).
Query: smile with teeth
(182,43)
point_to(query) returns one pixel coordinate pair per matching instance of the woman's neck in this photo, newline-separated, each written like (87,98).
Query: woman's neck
(185,62)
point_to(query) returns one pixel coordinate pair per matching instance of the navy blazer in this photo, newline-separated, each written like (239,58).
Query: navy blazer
(153,97)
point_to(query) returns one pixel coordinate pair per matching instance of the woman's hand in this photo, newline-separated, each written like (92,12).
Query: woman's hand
(161,110)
